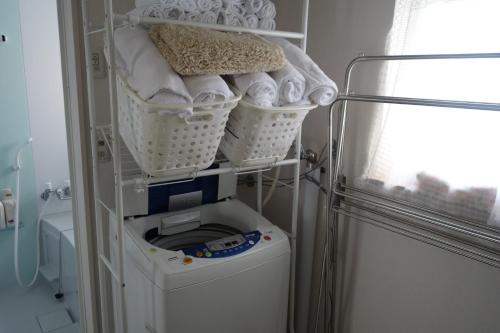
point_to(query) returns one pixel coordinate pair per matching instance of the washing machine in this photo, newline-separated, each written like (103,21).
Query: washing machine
(215,268)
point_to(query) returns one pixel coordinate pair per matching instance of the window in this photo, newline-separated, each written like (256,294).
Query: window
(446,159)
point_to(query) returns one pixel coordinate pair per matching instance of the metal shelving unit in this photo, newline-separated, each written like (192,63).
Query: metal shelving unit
(460,236)
(135,177)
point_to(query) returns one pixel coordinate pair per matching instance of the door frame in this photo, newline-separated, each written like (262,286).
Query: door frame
(70,30)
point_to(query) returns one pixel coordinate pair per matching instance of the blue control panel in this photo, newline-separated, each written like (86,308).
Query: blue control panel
(224,247)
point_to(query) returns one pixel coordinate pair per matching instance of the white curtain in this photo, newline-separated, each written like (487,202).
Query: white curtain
(446,159)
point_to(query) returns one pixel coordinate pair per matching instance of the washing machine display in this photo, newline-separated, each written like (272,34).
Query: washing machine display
(211,240)
(224,247)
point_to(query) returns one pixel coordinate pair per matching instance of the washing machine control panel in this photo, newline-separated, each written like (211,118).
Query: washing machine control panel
(224,247)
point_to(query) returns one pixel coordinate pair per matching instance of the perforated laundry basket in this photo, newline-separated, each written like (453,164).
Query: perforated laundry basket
(261,135)
(164,144)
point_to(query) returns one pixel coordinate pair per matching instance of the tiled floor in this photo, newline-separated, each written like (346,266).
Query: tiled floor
(20,307)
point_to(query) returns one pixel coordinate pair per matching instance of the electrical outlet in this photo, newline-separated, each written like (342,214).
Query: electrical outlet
(103,152)
(98,65)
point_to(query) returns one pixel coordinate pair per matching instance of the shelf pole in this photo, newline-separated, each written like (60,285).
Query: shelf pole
(155,20)
(296,190)
(109,21)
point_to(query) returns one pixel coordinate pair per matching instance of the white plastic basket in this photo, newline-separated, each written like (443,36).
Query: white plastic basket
(261,135)
(165,144)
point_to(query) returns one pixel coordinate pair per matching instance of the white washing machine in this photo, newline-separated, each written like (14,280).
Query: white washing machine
(217,268)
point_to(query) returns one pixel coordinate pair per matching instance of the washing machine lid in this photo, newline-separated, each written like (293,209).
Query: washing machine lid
(208,241)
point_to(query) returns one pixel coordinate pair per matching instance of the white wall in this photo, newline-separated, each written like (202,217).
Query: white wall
(391,283)
(42,63)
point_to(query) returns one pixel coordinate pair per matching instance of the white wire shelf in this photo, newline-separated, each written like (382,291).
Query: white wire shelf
(133,175)
(140,179)
(135,19)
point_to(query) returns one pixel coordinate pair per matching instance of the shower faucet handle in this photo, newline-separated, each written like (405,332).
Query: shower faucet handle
(64,193)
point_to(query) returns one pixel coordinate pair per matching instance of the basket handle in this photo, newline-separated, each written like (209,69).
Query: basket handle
(199,118)
(282,116)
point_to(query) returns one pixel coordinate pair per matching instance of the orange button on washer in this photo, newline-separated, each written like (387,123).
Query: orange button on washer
(187,260)
(267,238)
(199,254)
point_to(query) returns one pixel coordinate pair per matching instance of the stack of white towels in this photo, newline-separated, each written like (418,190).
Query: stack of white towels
(149,74)
(300,82)
(243,13)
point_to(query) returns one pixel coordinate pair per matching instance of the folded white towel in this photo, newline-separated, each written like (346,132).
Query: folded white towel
(204,5)
(253,6)
(320,89)
(209,17)
(268,10)
(207,88)
(267,24)
(252,21)
(148,73)
(188,5)
(260,87)
(291,85)
(232,19)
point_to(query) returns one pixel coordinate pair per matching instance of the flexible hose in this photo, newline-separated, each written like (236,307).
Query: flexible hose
(17,169)
(273,187)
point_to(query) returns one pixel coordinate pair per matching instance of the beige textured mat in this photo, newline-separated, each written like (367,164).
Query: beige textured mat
(193,50)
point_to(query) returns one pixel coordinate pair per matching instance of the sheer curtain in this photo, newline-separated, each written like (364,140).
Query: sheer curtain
(446,159)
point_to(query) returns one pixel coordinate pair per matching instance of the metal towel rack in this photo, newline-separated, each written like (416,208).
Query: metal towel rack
(341,196)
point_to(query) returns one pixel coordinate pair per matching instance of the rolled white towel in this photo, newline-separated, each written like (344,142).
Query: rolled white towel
(188,5)
(253,6)
(204,5)
(252,21)
(232,19)
(291,85)
(154,10)
(268,10)
(228,3)
(234,7)
(148,73)
(207,88)
(217,5)
(260,88)
(172,13)
(209,17)
(320,89)
(267,24)
(169,4)
(193,16)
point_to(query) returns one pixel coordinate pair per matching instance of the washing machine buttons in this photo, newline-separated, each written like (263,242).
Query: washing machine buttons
(187,260)
(267,238)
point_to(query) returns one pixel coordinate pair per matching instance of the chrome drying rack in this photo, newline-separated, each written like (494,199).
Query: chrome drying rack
(460,236)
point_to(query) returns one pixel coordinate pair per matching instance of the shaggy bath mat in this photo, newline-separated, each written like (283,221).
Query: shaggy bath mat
(193,51)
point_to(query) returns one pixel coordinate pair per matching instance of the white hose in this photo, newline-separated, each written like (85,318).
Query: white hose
(17,169)
(273,187)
